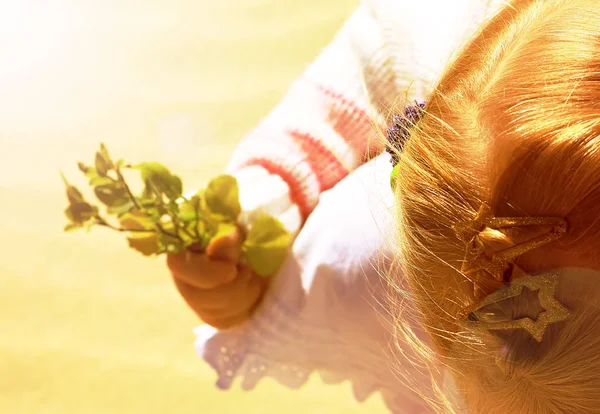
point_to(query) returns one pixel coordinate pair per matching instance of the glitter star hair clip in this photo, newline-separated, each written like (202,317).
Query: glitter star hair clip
(399,131)
(553,311)
(502,268)
(475,260)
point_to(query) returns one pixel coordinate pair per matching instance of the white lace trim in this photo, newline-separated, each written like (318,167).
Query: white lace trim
(283,346)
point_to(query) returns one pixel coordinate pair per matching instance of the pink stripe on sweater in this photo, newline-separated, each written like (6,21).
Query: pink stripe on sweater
(298,193)
(350,121)
(323,162)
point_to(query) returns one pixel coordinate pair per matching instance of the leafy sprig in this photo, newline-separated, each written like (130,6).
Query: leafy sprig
(160,219)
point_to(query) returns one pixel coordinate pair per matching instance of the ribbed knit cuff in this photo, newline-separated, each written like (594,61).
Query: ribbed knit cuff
(264,193)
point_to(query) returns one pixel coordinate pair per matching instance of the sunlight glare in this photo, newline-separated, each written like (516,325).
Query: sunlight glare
(31,33)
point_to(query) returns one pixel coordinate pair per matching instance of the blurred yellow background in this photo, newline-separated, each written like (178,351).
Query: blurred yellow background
(89,326)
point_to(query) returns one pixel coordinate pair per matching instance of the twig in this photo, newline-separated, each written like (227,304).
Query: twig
(131,196)
(102,222)
(159,200)
(187,233)
(166,233)
(196,207)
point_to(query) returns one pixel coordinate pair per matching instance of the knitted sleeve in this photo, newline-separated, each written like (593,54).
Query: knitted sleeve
(321,130)
(384,56)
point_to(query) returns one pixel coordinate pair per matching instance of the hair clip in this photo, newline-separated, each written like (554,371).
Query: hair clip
(475,259)
(398,133)
(399,130)
(553,311)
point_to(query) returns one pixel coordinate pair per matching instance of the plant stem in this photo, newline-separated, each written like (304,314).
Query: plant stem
(163,231)
(190,235)
(159,203)
(196,207)
(102,222)
(131,196)
(177,224)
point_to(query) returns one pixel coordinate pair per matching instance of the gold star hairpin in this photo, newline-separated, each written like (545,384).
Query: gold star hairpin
(475,260)
(545,284)
(497,265)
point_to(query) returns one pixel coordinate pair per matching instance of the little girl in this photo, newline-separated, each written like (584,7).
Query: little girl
(497,204)
(329,299)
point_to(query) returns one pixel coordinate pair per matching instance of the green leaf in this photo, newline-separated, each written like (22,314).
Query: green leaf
(187,213)
(197,204)
(137,220)
(152,207)
(175,188)
(71,227)
(120,163)
(112,195)
(91,173)
(89,224)
(102,165)
(98,180)
(147,201)
(80,212)
(145,243)
(149,170)
(394,177)
(122,209)
(173,208)
(106,155)
(157,176)
(196,221)
(148,196)
(73,194)
(224,229)
(188,236)
(168,243)
(199,198)
(83,168)
(156,212)
(222,197)
(266,245)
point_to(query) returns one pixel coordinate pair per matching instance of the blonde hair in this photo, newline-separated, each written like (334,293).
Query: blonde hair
(514,123)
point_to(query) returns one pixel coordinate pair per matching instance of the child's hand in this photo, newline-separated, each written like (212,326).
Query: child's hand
(222,293)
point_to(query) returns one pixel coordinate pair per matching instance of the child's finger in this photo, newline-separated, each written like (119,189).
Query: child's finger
(251,299)
(199,271)
(227,247)
(226,322)
(238,294)
(227,313)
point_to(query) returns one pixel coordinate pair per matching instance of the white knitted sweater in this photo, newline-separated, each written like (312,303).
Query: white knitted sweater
(326,311)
